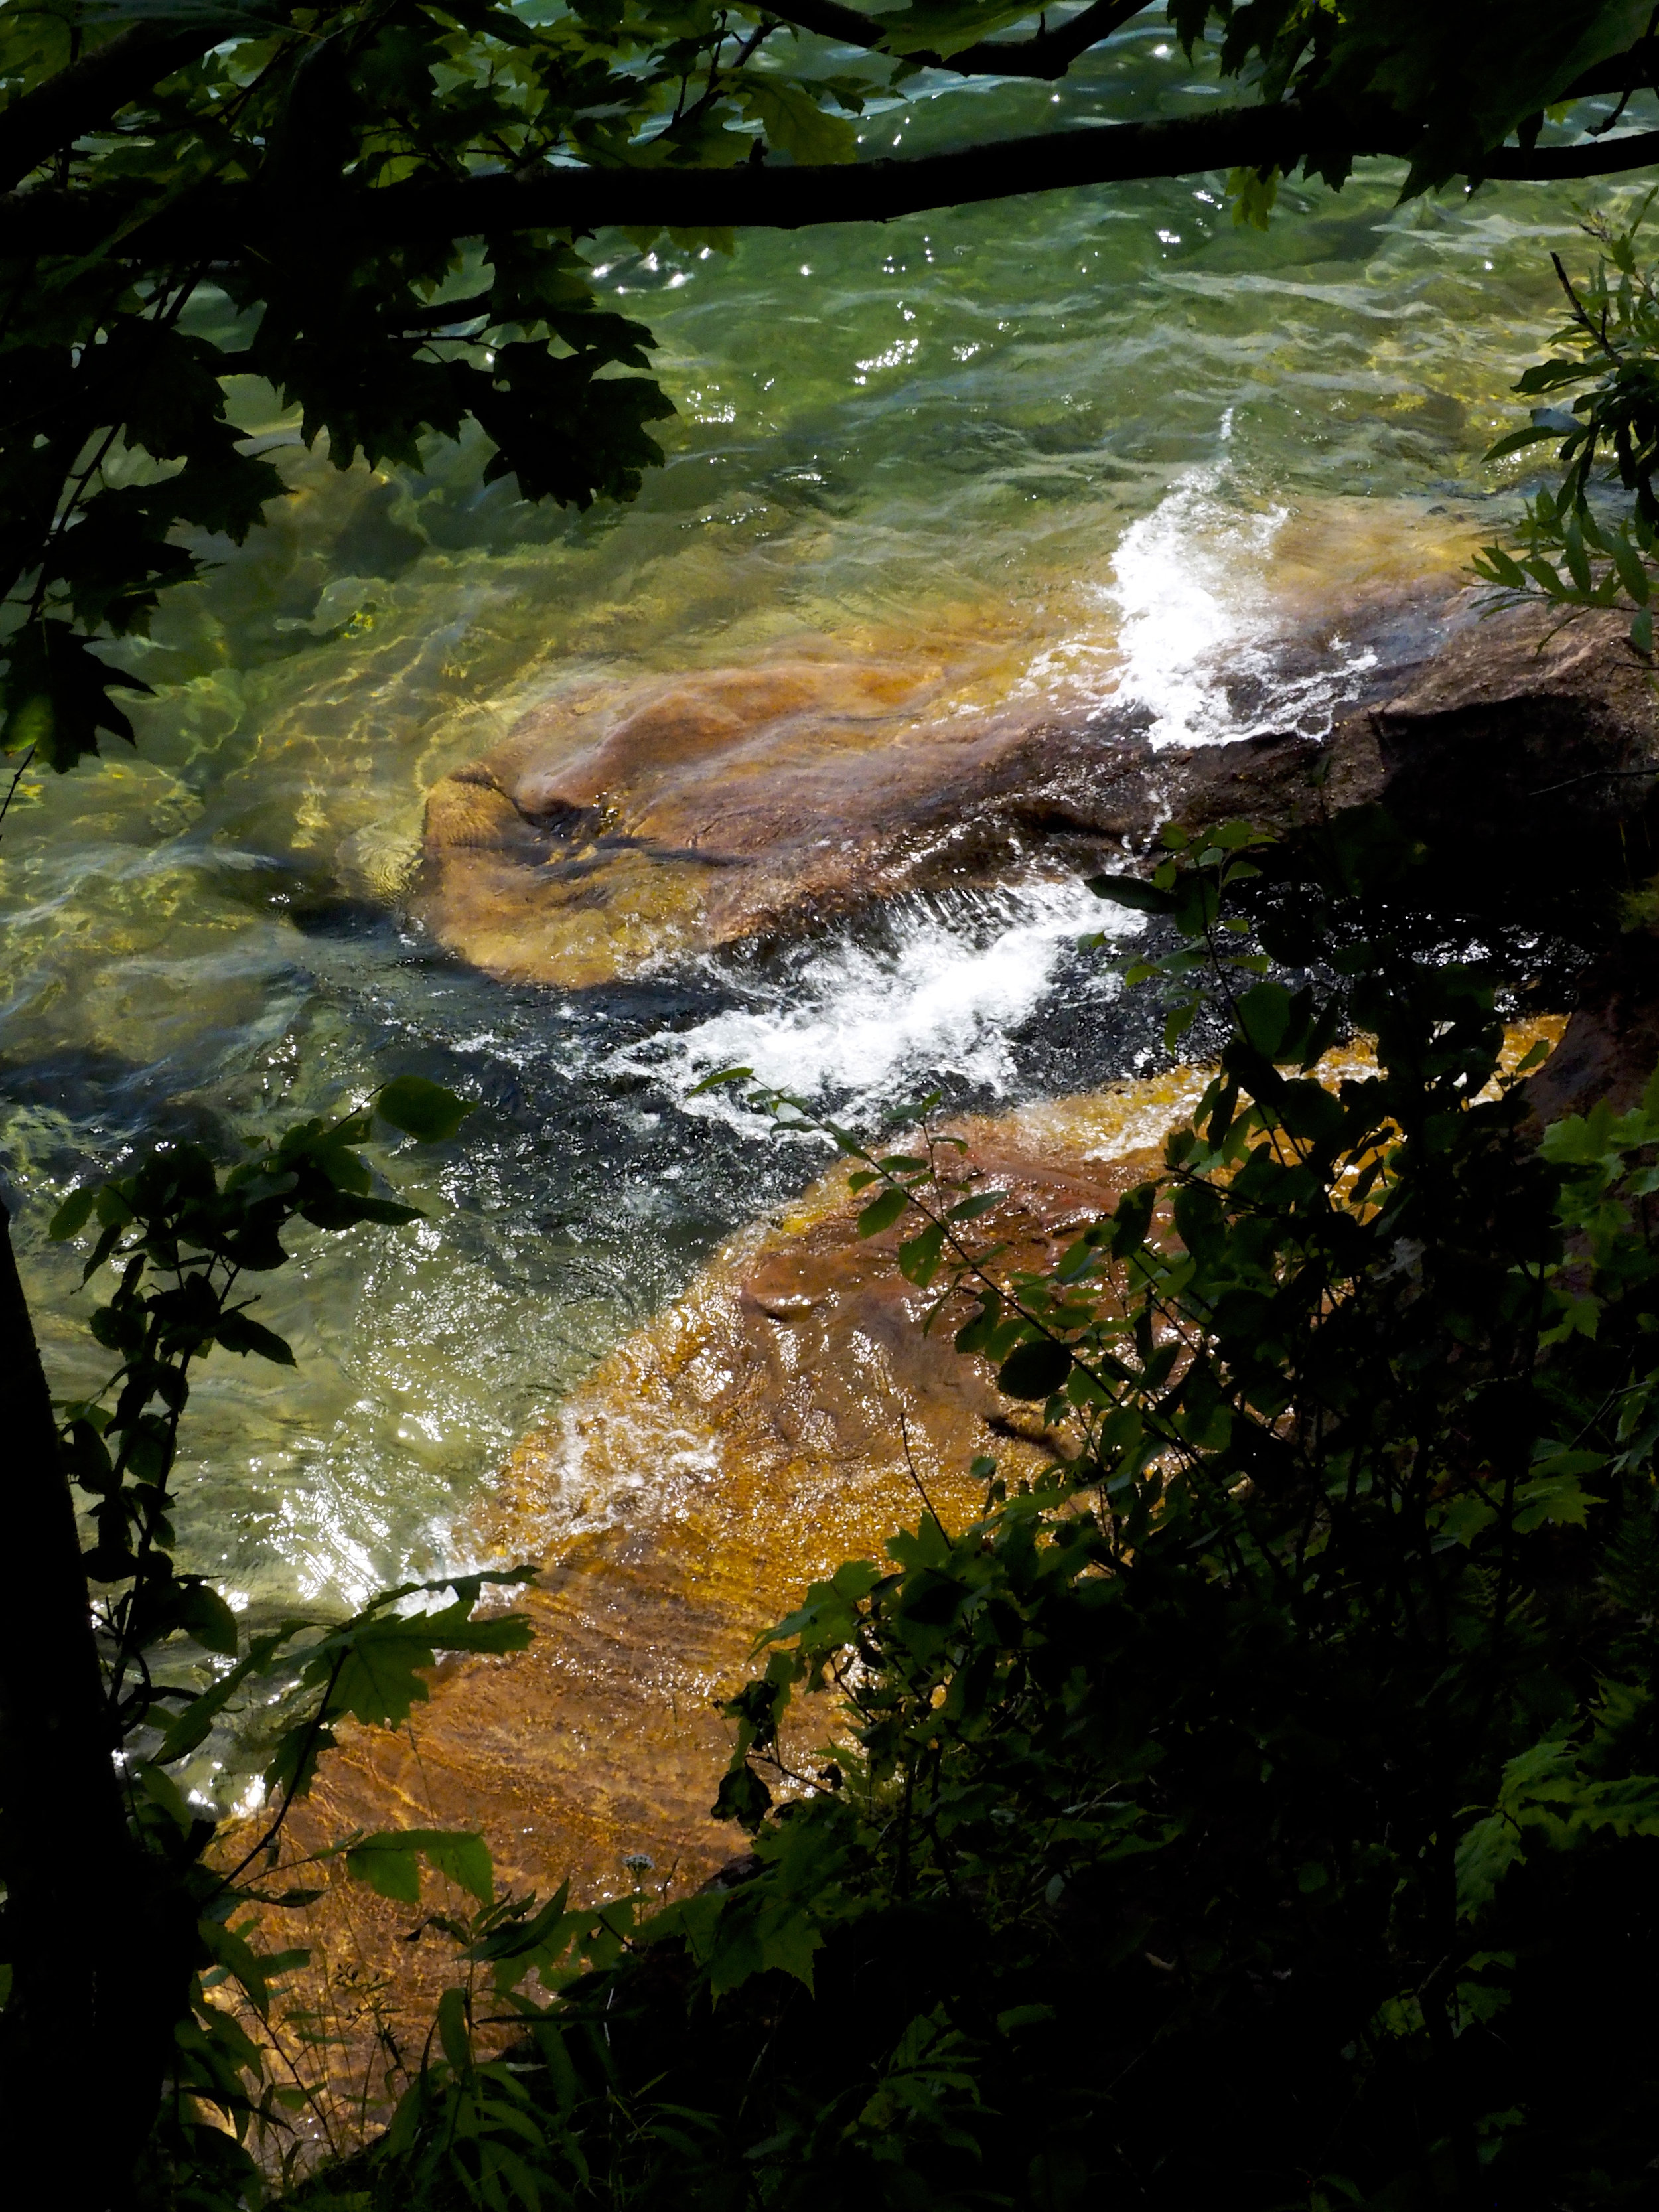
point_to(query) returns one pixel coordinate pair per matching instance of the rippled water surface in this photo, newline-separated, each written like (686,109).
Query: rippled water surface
(1102,439)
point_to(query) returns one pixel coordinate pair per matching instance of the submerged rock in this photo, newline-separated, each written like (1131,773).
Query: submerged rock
(675,814)
(620,824)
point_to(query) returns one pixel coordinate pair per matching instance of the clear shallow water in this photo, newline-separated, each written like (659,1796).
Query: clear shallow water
(1106,434)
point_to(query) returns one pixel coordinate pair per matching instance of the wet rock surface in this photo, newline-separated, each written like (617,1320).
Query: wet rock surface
(678,814)
(675,814)
(1512,726)
(786,1413)
(1610,1049)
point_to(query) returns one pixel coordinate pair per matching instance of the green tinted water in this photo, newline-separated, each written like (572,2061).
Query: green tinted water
(1101,430)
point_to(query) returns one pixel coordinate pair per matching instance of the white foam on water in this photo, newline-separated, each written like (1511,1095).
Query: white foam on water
(1192,589)
(1189,607)
(1189,591)
(867,1025)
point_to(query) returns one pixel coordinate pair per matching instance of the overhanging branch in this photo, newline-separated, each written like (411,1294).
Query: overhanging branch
(83,97)
(1598,157)
(1047,54)
(854,192)
(225,221)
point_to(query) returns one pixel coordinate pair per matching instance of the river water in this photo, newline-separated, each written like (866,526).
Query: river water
(1105,439)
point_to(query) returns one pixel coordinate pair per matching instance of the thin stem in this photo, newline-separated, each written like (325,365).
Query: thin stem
(318,1721)
(11,788)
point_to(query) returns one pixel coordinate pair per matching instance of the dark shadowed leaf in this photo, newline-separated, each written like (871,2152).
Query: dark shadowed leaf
(422,1109)
(1130,890)
(1035,1369)
(390,1862)
(237,1332)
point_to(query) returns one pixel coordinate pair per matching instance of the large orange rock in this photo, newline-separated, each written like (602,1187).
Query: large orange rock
(786,1414)
(675,813)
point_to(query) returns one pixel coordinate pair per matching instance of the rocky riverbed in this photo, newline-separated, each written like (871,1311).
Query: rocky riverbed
(617,825)
(787,1411)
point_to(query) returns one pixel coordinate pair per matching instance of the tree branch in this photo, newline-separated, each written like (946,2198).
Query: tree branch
(829,19)
(222,219)
(1598,157)
(225,221)
(774,198)
(1046,54)
(1637,67)
(86,95)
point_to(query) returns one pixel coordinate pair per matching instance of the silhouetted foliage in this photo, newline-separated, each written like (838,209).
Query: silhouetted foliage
(1260,1808)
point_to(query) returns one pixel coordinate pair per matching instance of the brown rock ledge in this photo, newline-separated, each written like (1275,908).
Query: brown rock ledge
(786,1413)
(672,814)
(750,1437)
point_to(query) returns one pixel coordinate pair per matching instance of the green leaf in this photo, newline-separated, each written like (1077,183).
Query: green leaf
(452,2031)
(73,1215)
(1254,195)
(1130,890)
(192,1725)
(162,1789)
(1632,570)
(339,1210)
(1502,568)
(743,1798)
(389,1861)
(1558,1499)
(230,1949)
(723,1075)
(919,1256)
(1518,440)
(238,1332)
(57,695)
(1264,1015)
(1484,1855)
(377,1659)
(1176,1023)
(789,1936)
(541,1940)
(881,1212)
(794,123)
(969,1209)
(422,1109)
(203,1613)
(1035,1370)
(1465,1518)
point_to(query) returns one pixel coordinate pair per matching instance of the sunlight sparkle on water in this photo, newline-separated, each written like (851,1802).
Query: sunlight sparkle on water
(213,933)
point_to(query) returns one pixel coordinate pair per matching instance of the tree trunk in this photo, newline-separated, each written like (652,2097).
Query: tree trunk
(66,1858)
